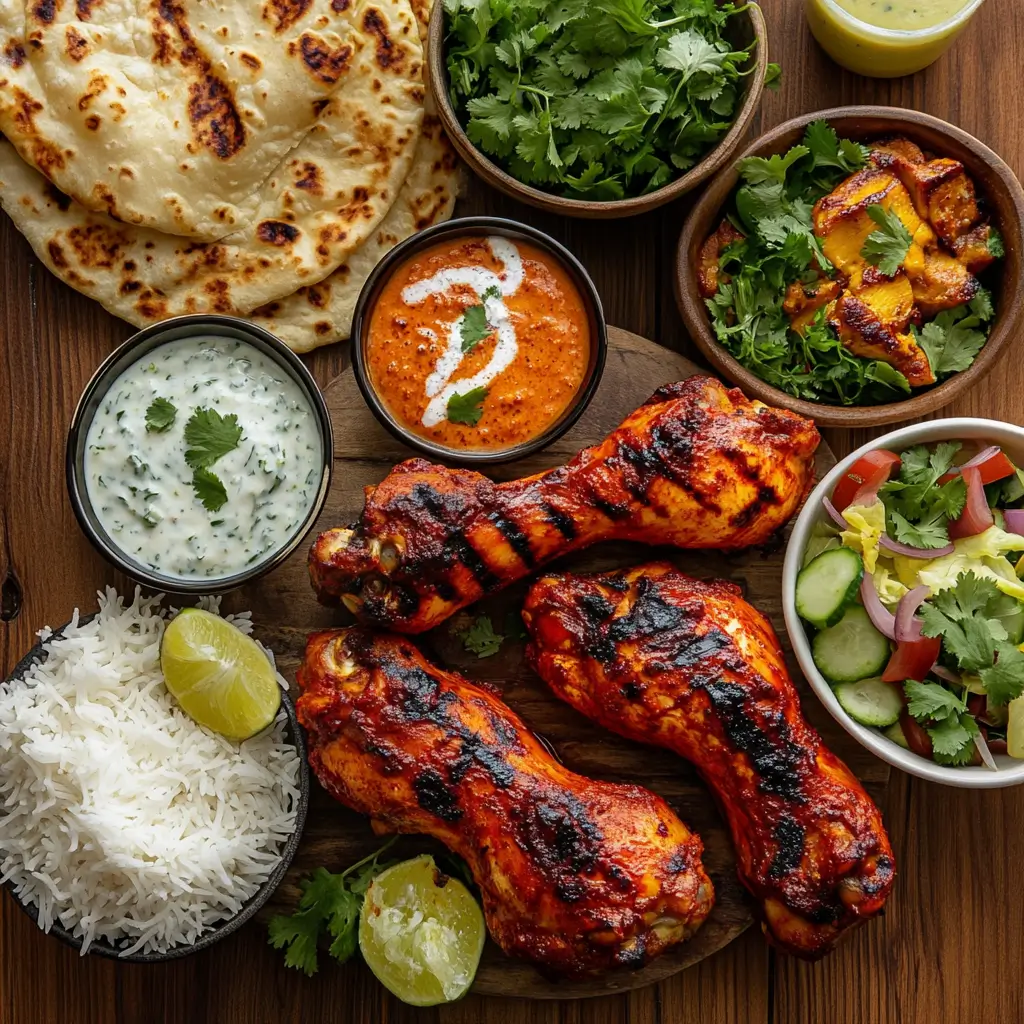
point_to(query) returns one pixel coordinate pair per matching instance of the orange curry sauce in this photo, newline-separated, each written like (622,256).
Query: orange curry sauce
(530,364)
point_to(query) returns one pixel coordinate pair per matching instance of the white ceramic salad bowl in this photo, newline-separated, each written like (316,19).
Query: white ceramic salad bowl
(1010,771)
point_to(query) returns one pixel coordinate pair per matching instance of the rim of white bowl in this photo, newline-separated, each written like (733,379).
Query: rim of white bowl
(966,428)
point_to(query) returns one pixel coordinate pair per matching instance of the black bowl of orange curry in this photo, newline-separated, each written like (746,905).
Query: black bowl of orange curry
(480,340)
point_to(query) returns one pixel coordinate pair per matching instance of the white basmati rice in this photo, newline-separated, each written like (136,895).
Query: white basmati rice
(120,817)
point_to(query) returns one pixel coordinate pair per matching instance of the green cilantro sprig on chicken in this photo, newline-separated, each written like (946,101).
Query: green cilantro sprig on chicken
(594,99)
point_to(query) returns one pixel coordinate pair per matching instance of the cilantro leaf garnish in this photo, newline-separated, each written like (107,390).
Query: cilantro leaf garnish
(479,637)
(918,508)
(952,340)
(931,701)
(1005,680)
(210,436)
(829,150)
(965,617)
(953,739)
(946,719)
(209,489)
(887,247)
(474,322)
(467,408)
(160,416)
(595,99)
(474,327)
(329,907)
(758,170)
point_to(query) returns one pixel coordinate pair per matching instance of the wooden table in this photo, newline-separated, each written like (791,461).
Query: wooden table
(949,949)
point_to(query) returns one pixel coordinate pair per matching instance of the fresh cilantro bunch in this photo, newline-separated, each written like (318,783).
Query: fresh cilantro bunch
(969,619)
(918,508)
(328,909)
(954,338)
(594,99)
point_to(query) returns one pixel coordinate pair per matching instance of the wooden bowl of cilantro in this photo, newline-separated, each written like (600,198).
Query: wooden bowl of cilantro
(597,108)
(860,265)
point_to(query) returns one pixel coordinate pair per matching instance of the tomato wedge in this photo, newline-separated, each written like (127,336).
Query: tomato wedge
(912,659)
(996,467)
(917,739)
(977,516)
(864,477)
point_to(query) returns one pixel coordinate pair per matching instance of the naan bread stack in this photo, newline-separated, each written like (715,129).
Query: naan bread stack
(249,157)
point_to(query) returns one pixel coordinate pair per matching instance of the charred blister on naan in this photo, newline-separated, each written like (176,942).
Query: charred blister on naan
(325,64)
(277,232)
(282,14)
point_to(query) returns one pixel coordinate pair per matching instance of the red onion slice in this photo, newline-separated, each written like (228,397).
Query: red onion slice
(881,618)
(1014,520)
(910,552)
(986,754)
(908,627)
(979,459)
(946,674)
(835,515)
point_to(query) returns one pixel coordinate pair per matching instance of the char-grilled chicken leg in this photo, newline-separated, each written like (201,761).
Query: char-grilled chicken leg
(697,466)
(660,658)
(576,875)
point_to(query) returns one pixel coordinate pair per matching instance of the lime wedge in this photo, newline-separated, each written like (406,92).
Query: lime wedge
(421,933)
(218,675)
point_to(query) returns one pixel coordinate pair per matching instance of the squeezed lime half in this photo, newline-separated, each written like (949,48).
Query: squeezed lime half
(218,675)
(421,933)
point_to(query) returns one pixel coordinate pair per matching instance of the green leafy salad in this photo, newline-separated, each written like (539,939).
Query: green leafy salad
(594,99)
(862,297)
(914,591)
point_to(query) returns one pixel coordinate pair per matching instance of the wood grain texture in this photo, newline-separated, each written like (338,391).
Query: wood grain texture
(947,950)
(364,453)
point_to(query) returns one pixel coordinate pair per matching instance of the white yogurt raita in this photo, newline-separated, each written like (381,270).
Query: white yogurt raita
(145,491)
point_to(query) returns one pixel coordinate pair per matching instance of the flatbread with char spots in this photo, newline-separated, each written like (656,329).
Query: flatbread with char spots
(169,114)
(320,204)
(322,313)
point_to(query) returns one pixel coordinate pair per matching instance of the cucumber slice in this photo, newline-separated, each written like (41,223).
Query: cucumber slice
(1014,624)
(850,650)
(871,702)
(818,543)
(894,732)
(828,585)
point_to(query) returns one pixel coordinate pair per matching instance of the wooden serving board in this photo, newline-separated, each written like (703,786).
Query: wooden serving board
(335,837)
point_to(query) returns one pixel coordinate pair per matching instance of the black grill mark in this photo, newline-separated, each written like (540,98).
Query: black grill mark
(595,607)
(611,509)
(457,545)
(635,955)
(569,890)
(650,615)
(435,796)
(517,540)
(776,762)
(766,498)
(560,521)
(563,833)
(700,647)
(789,839)
(490,757)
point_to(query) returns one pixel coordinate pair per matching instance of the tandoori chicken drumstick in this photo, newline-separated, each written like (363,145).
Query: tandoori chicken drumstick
(576,875)
(697,466)
(660,658)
